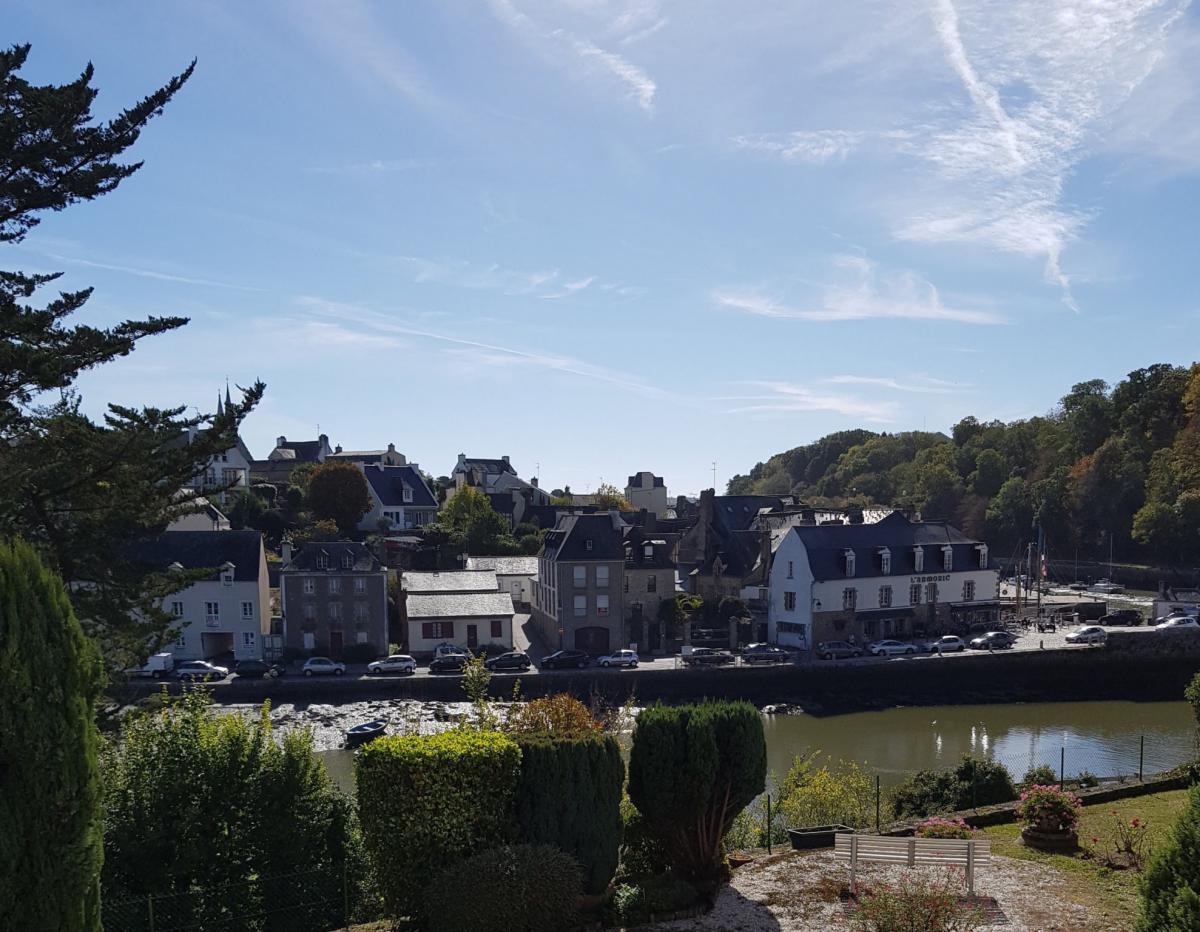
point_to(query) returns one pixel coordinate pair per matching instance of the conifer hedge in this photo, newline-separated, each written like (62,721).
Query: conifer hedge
(51,833)
(569,796)
(428,802)
(1170,886)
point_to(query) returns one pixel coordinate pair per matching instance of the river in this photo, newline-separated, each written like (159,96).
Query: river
(1108,739)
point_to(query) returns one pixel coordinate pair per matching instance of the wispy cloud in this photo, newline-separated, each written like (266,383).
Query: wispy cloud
(921,384)
(141,272)
(863,292)
(815,147)
(788,397)
(549,284)
(377,166)
(588,60)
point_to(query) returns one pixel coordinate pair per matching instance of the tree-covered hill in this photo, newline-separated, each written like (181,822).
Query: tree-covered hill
(1119,460)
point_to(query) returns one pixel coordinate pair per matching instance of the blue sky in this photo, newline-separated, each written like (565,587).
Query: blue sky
(610,236)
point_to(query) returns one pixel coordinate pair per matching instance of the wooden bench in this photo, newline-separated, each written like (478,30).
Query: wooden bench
(941,852)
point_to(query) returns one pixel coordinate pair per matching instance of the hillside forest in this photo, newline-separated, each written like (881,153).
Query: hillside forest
(1109,466)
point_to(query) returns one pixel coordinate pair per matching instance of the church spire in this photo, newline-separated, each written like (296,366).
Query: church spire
(228,401)
(220,408)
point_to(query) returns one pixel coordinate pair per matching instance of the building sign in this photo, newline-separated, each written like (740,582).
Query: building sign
(917,580)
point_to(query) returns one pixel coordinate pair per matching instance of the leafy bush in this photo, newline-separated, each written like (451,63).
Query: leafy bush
(1047,808)
(1192,695)
(560,714)
(1042,775)
(50,794)
(974,782)
(1170,887)
(844,795)
(749,829)
(640,854)
(662,893)
(569,795)
(360,653)
(522,888)
(692,769)
(916,904)
(426,802)
(1087,779)
(938,827)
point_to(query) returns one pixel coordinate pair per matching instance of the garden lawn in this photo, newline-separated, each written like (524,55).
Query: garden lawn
(1113,893)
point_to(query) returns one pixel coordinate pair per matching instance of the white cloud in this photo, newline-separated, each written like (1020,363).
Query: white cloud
(141,272)
(788,397)
(815,147)
(923,385)
(862,292)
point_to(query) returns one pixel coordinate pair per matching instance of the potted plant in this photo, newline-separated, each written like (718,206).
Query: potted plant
(1049,816)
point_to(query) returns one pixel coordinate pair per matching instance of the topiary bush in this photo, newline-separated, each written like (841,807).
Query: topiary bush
(974,782)
(569,795)
(427,802)
(1170,887)
(640,854)
(518,888)
(692,769)
(50,795)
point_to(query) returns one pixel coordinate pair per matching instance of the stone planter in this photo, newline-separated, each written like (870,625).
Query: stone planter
(1060,840)
(820,836)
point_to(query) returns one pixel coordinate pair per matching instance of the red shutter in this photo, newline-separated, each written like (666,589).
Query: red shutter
(427,630)
(497,628)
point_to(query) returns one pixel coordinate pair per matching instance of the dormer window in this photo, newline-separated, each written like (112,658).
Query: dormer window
(587,544)
(983,556)
(407,495)
(322,561)
(848,555)
(347,561)
(885,561)
(227,574)
(648,551)
(948,557)
(919,559)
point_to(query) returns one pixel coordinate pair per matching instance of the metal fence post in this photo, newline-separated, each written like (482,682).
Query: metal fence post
(876,804)
(346,894)
(150,910)
(1141,755)
(768,823)
(1062,767)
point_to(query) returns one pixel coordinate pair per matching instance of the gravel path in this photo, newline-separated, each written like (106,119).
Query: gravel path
(797,892)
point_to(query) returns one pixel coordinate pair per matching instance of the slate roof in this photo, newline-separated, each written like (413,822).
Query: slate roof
(389,483)
(305,451)
(826,545)
(464,581)
(737,512)
(194,550)
(458,605)
(492,467)
(658,482)
(568,541)
(305,559)
(357,456)
(505,566)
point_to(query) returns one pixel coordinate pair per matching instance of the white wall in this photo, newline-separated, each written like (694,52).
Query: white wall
(654,499)
(801,583)
(229,600)
(519,587)
(417,644)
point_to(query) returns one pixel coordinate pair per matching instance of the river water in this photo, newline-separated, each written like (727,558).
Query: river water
(1108,739)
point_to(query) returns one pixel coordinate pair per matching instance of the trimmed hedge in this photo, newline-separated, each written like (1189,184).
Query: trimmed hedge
(976,781)
(522,888)
(569,796)
(1170,886)
(692,769)
(427,802)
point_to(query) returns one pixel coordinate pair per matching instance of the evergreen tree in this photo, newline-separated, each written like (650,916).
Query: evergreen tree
(79,490)
(1171,884)
(338,492)
(50,675)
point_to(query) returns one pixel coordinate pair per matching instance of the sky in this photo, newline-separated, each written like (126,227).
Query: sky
(602,236)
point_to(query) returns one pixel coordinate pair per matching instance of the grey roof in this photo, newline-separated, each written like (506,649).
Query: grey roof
(494,467)
(737,512)
(658,482)
(827,543)
(471,580)
(305,559)
(389,483)
(306,451)
(569,540)
(194,550)
(458,605)
(505,566)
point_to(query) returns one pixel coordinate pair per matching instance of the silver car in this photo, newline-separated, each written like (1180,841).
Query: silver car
(396,663)
(323,666)
(619,658)
(1088,634)
(889,647)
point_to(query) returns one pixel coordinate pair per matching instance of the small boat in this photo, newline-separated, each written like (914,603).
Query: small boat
(1077,586)
(367,731)
(1107,586)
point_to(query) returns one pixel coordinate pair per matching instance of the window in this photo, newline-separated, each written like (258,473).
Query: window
(360,611)
(360,637)
(602,576)
(335,611)
(849,555)
(587,544)
(310,612)
(580,606)
(931,592)
(335,586)
(322,561)
(227,577)
(181,641)
(497,629)
(983,556)
(948,557)
(914,594)
(885,561)
(360,584)
(347,561)
(789,601)
(652,583)
(248,639)
(310,585)
(247,609)
(602,605)
(849,599)
(177,609)
(212,613)
(885,596)
(310,640)
(789,569)
(580,576)
(407,495)
(969,591)
(648,551)
(437,630)
(919,559)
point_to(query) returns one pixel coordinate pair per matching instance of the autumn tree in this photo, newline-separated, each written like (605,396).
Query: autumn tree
(338,492)
(472,524)
(609,496)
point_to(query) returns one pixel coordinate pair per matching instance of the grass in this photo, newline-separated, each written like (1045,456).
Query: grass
(1113,893)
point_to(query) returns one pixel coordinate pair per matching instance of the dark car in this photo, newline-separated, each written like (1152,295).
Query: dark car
(513,660)
(837,650)
(448,663)
(707,657)
(764,654)
(566,658)
(993,640)
(1122,616)
(192,670)
(257,669)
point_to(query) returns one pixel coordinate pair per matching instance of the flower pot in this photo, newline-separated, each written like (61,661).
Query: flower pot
(819,836)
(739,859)
(1063,840)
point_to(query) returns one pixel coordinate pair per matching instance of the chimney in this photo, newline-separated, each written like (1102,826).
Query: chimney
(285,551)
(534,482)
(280,440)
(462,460)
(338,448)
(324,438)
(505,458)
(391,448)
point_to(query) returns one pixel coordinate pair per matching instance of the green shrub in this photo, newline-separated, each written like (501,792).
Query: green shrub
(50,806)
(749,828)
(1087,779)
(974,782)
(843,795)
(916,903)
(1170,887)
(427,802)
(1042,775)
(522,888)
(654,896)
(692,769)
(938,827)
(641,855)
(569,795)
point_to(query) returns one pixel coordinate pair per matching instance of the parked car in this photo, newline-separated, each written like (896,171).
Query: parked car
(396,663)
(764,655)
(946,644)
(993,640)
(566,658)
(513,660)
(323,666)
(191,670)
(1122,616)
(448,663)
(257,669)
(619,658)
(446,649)
(889,647)
(1176,623)
(837,650)
(1088,634)
(707,657)
(156,666)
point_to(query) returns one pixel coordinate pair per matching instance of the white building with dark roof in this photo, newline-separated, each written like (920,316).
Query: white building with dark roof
(400,497)
(648,491)
(518,576)
(469,619)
